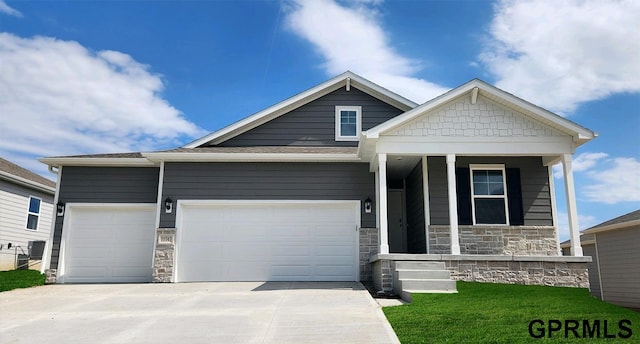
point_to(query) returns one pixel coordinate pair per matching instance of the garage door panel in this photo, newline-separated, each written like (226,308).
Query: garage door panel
(268,241)
(109,244)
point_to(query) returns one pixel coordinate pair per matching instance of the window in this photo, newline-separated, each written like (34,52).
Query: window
(348,123)
(34,213)
(489,196)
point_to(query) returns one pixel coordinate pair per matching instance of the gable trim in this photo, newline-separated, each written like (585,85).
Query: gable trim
(26,183)
(342,80)
(580,134)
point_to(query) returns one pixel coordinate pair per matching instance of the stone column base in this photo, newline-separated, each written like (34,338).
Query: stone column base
(163,257)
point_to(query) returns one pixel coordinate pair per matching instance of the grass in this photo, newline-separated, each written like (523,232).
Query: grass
(14,279)
(501,313)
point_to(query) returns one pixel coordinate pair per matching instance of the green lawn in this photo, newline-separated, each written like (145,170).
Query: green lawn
(501,313)
(15,279)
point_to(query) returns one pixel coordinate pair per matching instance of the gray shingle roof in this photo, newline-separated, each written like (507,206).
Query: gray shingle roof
(634,215)
(268,150)
(13,169)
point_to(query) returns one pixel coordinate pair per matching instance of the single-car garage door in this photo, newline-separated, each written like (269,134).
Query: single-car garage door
(268,241)
(106,244)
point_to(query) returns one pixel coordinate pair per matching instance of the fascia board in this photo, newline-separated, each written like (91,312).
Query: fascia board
(249,157)
(612,227)
(26,182)
(97,162)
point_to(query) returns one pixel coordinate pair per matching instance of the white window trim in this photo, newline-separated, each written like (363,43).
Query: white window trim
(358,110)
(36,214)
(495,167)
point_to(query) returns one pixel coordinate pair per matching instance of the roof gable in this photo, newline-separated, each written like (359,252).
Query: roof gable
(476,90)
(346,79)
(16,174)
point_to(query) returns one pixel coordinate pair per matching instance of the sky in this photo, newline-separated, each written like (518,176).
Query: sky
(84,77)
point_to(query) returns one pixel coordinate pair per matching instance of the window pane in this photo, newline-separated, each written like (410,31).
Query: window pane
(490,211)
(480,188)
(32,221)
(34,205)
(348,123)
(479,176)
(494,176)
(496,189)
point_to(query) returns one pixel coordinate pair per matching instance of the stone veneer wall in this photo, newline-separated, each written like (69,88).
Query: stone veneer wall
(368,248)
(383,275)
(496,240)
(163,255)
(556,274)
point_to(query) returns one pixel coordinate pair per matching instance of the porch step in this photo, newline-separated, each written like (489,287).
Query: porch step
(420,265)
(421,277)
(423,274)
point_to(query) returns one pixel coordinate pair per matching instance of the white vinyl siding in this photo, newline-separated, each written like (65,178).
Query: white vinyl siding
(14,204)
(489,202)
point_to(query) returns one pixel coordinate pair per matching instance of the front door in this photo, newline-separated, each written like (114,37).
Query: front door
(397,223)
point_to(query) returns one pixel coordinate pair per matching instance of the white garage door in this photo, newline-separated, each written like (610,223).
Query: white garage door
(109,244)
(268,242)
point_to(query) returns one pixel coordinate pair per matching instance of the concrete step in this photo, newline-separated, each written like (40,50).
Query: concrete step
(419,285)
(419,265)
(422,274)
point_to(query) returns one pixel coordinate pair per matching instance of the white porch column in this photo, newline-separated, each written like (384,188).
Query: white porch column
(382,194)
(425,192)
(572,209)
(453,203)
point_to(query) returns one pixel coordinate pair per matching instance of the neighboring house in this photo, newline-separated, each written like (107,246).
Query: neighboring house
(614,273)
(26,211)
(344,181)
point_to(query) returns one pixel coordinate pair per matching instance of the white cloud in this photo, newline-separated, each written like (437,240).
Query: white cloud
(6,9)
(582,162)
(584,222)
(59,98)
(351,38)
(619,182)
(558,54)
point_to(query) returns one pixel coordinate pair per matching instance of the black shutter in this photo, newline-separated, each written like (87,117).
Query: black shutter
(514,194)
(463,187)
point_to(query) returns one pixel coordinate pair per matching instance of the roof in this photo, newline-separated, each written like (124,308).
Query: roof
(16,174)
(580,133)
(259,153)
(623,221)
(585,239)
(110,159)
(346,79)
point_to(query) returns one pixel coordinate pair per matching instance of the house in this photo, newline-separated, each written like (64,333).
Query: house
(26,211)
(344,181)
(614,273)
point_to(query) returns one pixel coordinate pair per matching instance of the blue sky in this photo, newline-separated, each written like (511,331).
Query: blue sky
(82,77)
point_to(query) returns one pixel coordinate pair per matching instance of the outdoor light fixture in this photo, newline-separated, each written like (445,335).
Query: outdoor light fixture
(168,205)
(367,205)
(60,209)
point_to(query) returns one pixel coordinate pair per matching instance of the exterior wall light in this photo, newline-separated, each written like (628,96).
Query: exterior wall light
(168,205)
(60,209)
(368,205)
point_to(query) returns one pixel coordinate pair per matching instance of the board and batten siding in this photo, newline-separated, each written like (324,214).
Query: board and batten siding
(268,181)
(416,240)
(103,185)
(619,259)
(313,124)
(534,177)
(14,209)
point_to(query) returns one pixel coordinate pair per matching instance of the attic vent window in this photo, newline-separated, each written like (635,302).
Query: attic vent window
(348,123)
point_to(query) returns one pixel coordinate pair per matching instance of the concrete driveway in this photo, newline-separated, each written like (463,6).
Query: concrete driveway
(247,312)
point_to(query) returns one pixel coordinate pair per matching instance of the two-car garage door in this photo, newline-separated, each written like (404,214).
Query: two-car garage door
(268,241)
(216,241)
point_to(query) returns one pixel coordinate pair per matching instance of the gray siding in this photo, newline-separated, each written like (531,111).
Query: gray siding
(268,181)
(619,259)
(416,241)
(536,198)
(313,124)
(103,185)
(594,278)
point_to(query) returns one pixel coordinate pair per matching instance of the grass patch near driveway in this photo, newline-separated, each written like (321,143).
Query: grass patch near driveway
(502,313)
(14,279)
